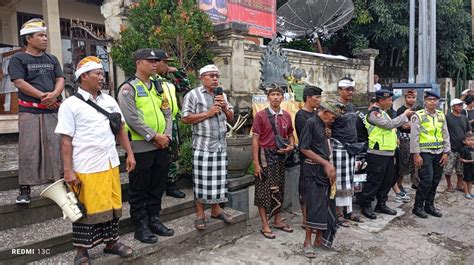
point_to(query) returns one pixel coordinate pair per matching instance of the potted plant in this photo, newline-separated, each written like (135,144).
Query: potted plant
(239,148)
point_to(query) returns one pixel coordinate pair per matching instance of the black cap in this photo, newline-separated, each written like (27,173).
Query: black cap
(145,54)
(431,94)
(162,55)
(310,90)
(383,93)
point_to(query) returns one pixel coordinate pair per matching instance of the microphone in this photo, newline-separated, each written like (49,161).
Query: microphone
(218,91)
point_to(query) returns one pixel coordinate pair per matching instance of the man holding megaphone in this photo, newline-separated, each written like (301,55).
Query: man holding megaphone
(89,123)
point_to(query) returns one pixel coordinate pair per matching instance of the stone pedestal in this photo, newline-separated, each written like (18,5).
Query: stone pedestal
(291,202)
(242,194)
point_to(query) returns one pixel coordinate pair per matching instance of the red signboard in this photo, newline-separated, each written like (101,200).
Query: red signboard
(259,15)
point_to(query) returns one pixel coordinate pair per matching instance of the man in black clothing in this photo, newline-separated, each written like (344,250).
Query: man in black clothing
(312,99)
(458,126)
(404,159)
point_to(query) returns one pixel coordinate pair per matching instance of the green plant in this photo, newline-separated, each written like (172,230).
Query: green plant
(186,148)
(178,27)
(186,155)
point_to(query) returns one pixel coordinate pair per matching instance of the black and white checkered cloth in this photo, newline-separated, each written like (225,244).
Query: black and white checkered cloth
(344,164)
(210,176)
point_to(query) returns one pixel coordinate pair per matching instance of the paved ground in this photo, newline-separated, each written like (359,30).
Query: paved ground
(403,239)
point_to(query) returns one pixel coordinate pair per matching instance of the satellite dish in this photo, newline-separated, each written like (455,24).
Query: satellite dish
(316,18)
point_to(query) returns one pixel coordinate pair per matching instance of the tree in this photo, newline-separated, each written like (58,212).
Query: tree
(384,25)
(178,27)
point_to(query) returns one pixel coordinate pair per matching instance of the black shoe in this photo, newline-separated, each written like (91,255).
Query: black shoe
(173,191)
(158,228)
(431,210)
(382,208)
(367,212)
(144,234)
(24,196)
(419,212)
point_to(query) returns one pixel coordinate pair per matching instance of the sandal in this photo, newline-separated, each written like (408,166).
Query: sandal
(353,217)
(119,249)
(343,222)
(268,235)
(309,252)
(200,224)
(82,258)
(323,247)
(285,228)
(224,217)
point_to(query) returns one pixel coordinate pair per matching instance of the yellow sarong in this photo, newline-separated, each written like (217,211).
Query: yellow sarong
(101,194)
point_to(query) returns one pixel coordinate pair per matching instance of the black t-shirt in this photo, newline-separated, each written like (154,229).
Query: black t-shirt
(39,71)
(466,153)
(400,112)
(344,127)
(313,138)
(300,120)
(469,114)
(362,134)
(457,127)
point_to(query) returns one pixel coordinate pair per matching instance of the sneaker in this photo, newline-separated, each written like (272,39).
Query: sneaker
(24,197)
(402,197)
(402,189)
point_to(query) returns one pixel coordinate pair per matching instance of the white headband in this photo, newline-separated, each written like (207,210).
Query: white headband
(31,30)
(208,68)
(346,83)
(89,66)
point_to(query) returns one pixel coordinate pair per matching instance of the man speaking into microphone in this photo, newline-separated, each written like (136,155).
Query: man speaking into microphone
(207,109)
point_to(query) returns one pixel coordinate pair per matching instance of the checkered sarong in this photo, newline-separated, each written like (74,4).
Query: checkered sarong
(210,176)
(344,164)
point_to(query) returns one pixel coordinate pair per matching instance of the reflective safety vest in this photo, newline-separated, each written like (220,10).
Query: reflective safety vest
(431,129)
(148,103)
(170,93)
(385,138)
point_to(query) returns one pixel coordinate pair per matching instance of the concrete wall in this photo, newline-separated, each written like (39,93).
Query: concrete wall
(239,63)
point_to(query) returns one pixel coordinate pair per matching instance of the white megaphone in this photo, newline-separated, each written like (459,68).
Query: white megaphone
(60,194)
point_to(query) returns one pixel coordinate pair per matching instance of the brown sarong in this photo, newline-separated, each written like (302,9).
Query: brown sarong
(39,153)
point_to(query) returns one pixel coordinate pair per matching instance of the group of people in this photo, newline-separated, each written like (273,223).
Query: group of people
(420,141)
(76,139)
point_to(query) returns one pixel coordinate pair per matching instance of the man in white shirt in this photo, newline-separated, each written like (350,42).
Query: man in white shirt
(91,163)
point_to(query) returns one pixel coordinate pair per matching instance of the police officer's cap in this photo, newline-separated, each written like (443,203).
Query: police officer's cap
(431,94)
(145,54)
(383,93)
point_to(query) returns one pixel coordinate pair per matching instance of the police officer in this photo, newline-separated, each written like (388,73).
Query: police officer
(147,114)
(429,144)
(380,154)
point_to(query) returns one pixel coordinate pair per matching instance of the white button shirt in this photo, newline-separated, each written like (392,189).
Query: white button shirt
(93,143)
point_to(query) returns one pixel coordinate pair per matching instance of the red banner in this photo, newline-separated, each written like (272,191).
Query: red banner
(259,15)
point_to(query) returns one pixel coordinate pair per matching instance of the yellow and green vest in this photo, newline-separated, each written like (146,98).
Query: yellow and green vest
(148,103)
(386,138)
(431,129)
(170,93)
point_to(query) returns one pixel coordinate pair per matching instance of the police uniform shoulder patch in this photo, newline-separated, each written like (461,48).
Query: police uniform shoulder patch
(125,90)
